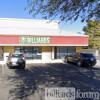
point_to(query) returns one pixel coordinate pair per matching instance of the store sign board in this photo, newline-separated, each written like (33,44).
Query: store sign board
(34,40)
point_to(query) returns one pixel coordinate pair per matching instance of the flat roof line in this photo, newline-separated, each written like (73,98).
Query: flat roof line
(28,19)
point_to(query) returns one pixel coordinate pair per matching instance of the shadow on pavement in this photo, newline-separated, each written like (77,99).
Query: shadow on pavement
(27,83)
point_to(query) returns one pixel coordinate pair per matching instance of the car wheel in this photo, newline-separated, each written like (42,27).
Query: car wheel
(68,61)
(79,63)
(90,65)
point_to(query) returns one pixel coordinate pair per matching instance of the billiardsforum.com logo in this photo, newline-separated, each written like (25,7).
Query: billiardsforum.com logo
(69,93)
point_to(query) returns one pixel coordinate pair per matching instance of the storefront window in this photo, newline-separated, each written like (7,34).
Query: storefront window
(71,50)
(61,52)
(30,52)
(37,53)
(17,49)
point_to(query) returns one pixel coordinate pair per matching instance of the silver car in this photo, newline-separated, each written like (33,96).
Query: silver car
(16,60)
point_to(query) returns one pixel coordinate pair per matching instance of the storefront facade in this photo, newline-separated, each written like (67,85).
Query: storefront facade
(38,40)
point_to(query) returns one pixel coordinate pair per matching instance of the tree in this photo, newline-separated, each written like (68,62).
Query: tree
(93,30)
(65,9)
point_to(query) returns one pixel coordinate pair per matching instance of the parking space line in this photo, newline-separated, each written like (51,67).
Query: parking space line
(52,67)
(29,69)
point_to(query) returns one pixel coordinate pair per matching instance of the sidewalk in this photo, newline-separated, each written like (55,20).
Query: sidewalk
(98,63)
(43,61)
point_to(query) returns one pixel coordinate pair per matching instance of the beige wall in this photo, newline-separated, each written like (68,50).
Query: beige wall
(0,48)
(46,49)
(9,49)
(78,49)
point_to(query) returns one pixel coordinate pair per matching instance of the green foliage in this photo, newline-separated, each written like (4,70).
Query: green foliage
(93,30)
(65,9)
(96,43)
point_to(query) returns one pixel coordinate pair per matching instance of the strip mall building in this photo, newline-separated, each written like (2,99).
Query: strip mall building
(37,39)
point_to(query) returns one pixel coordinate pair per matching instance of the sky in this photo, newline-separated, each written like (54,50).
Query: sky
(15,9)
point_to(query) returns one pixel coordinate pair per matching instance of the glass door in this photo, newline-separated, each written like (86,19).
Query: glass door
(28,52)
(37,52)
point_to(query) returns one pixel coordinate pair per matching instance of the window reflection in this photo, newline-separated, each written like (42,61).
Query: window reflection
(61,52)
(30,52)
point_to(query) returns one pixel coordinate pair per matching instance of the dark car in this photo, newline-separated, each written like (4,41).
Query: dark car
(81,59)
(16,60)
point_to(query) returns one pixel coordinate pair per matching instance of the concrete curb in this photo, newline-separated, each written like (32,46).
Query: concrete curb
(44,61)
(98,63)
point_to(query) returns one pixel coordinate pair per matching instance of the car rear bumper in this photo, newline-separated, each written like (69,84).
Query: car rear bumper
(16,65)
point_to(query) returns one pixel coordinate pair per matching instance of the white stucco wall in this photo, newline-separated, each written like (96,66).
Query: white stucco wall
(46,56)
(5,58)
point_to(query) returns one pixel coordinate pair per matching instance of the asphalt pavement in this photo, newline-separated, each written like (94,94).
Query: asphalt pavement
(30,84)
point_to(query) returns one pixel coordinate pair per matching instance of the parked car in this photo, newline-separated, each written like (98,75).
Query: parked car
(81,59)
(16,60)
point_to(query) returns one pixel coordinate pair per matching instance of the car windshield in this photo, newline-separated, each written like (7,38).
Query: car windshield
(87,55)
(17,55)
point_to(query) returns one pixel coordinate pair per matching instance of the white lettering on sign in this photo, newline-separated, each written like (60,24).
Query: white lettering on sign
(34,40)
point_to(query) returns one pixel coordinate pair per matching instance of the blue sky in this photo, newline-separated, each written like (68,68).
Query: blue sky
(15,9)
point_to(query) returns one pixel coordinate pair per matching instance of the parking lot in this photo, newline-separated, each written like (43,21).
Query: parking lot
(29,84)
